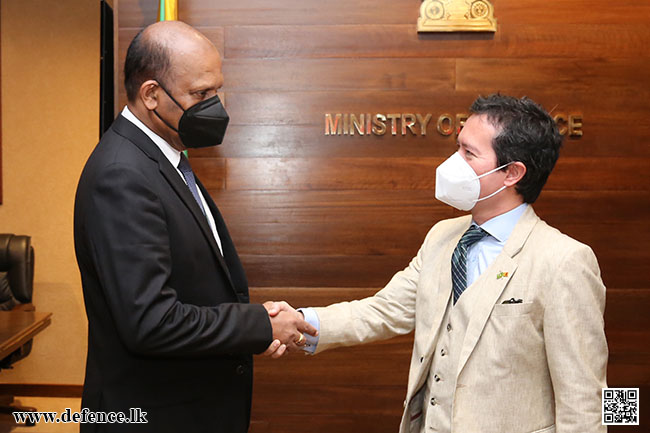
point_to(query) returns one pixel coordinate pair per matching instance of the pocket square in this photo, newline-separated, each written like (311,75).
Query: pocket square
(513,301)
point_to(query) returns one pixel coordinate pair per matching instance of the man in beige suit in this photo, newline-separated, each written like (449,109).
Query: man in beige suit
(507,311)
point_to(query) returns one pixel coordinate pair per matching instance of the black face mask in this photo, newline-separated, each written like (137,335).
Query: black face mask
(202,125)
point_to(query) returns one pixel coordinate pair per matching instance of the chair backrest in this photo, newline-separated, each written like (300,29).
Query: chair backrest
(17,260)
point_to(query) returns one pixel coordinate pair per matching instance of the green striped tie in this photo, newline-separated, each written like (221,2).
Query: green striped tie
(459,259)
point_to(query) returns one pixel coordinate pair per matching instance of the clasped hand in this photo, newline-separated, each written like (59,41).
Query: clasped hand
(288,326)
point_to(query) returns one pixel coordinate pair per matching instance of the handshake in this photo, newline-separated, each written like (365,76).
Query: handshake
(289,327)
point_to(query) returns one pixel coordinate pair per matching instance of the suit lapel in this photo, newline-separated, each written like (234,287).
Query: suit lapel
(224,237)
(184,193)
(491,287)
(493,282)
(128,130)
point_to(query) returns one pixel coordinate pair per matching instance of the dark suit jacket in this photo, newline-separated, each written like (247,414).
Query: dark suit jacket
(170,327)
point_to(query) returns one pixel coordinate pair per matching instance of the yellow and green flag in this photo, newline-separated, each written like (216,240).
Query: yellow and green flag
(167,10)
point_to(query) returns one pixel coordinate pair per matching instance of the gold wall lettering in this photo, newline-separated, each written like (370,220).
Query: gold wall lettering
(446,124)
(571,124)
(456,16)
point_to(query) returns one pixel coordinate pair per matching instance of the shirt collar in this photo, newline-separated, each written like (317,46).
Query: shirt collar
(502,225)
(173,155)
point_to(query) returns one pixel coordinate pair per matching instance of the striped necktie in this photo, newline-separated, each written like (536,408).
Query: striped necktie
(459,259)
(186,171)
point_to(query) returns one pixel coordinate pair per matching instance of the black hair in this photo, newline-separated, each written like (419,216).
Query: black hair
(525,133)
(146,59)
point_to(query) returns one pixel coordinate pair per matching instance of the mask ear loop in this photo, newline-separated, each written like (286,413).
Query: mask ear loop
(498,190)
(175,102)
(169,94)
(491,195)
(495,169)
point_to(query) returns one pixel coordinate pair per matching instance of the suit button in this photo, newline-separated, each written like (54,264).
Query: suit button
(436,378)
(448,327)
(240,370)
(421,359)
(443,352)
(434,401)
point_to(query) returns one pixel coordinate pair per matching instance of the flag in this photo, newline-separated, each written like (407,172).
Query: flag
(167,10)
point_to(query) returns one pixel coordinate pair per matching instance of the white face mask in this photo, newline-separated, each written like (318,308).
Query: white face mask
(458,185)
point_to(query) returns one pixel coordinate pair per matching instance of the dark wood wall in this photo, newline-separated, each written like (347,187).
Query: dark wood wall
(318,218)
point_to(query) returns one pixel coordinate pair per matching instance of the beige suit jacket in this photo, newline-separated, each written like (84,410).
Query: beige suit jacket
(536,366)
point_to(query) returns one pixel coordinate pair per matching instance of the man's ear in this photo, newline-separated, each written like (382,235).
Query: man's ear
(514,173)
(149,94)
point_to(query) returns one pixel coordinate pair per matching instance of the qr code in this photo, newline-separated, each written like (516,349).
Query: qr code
(621,406)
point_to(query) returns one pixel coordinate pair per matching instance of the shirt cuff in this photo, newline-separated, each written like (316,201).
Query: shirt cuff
(311,317)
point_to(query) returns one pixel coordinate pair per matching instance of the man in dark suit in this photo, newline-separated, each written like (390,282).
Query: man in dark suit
(171,330)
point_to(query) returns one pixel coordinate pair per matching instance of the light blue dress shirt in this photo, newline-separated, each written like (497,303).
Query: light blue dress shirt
(479,257)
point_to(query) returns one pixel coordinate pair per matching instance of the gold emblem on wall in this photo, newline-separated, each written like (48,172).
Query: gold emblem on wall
(457,16)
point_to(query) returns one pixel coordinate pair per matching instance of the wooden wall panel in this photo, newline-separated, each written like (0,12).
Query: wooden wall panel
(570,174)
(137,13)
(555,76)
(308,108)
(310,229)
(337,74)
(512,41)
(335,217)
(607,138)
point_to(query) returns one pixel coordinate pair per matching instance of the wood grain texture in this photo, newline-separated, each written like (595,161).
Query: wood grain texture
(513,40)
(570,174)
(322,270)
(308,108)
(322,423)
(285,141)
(324,238)
(134,13)
(622,77)
(426,74)
(330,173)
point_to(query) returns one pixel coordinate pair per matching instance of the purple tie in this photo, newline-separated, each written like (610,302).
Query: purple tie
(186,171)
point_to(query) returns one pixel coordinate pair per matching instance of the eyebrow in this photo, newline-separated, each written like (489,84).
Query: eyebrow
(206,86)
(469,147)
(203,88)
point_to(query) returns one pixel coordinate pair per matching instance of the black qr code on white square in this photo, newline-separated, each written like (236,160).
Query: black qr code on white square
(621,406)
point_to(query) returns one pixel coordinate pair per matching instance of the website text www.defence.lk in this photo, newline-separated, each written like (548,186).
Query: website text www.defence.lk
(134,416)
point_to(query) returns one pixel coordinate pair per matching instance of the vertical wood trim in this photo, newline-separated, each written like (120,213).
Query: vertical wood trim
(116,60)
(0,104)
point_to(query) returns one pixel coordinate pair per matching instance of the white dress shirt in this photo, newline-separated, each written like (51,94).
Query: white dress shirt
(174,157)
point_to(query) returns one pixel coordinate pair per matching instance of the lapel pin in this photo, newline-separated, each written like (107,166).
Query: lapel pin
(502,275)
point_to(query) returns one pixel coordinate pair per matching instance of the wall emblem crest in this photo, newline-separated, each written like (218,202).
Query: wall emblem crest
(456,16)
